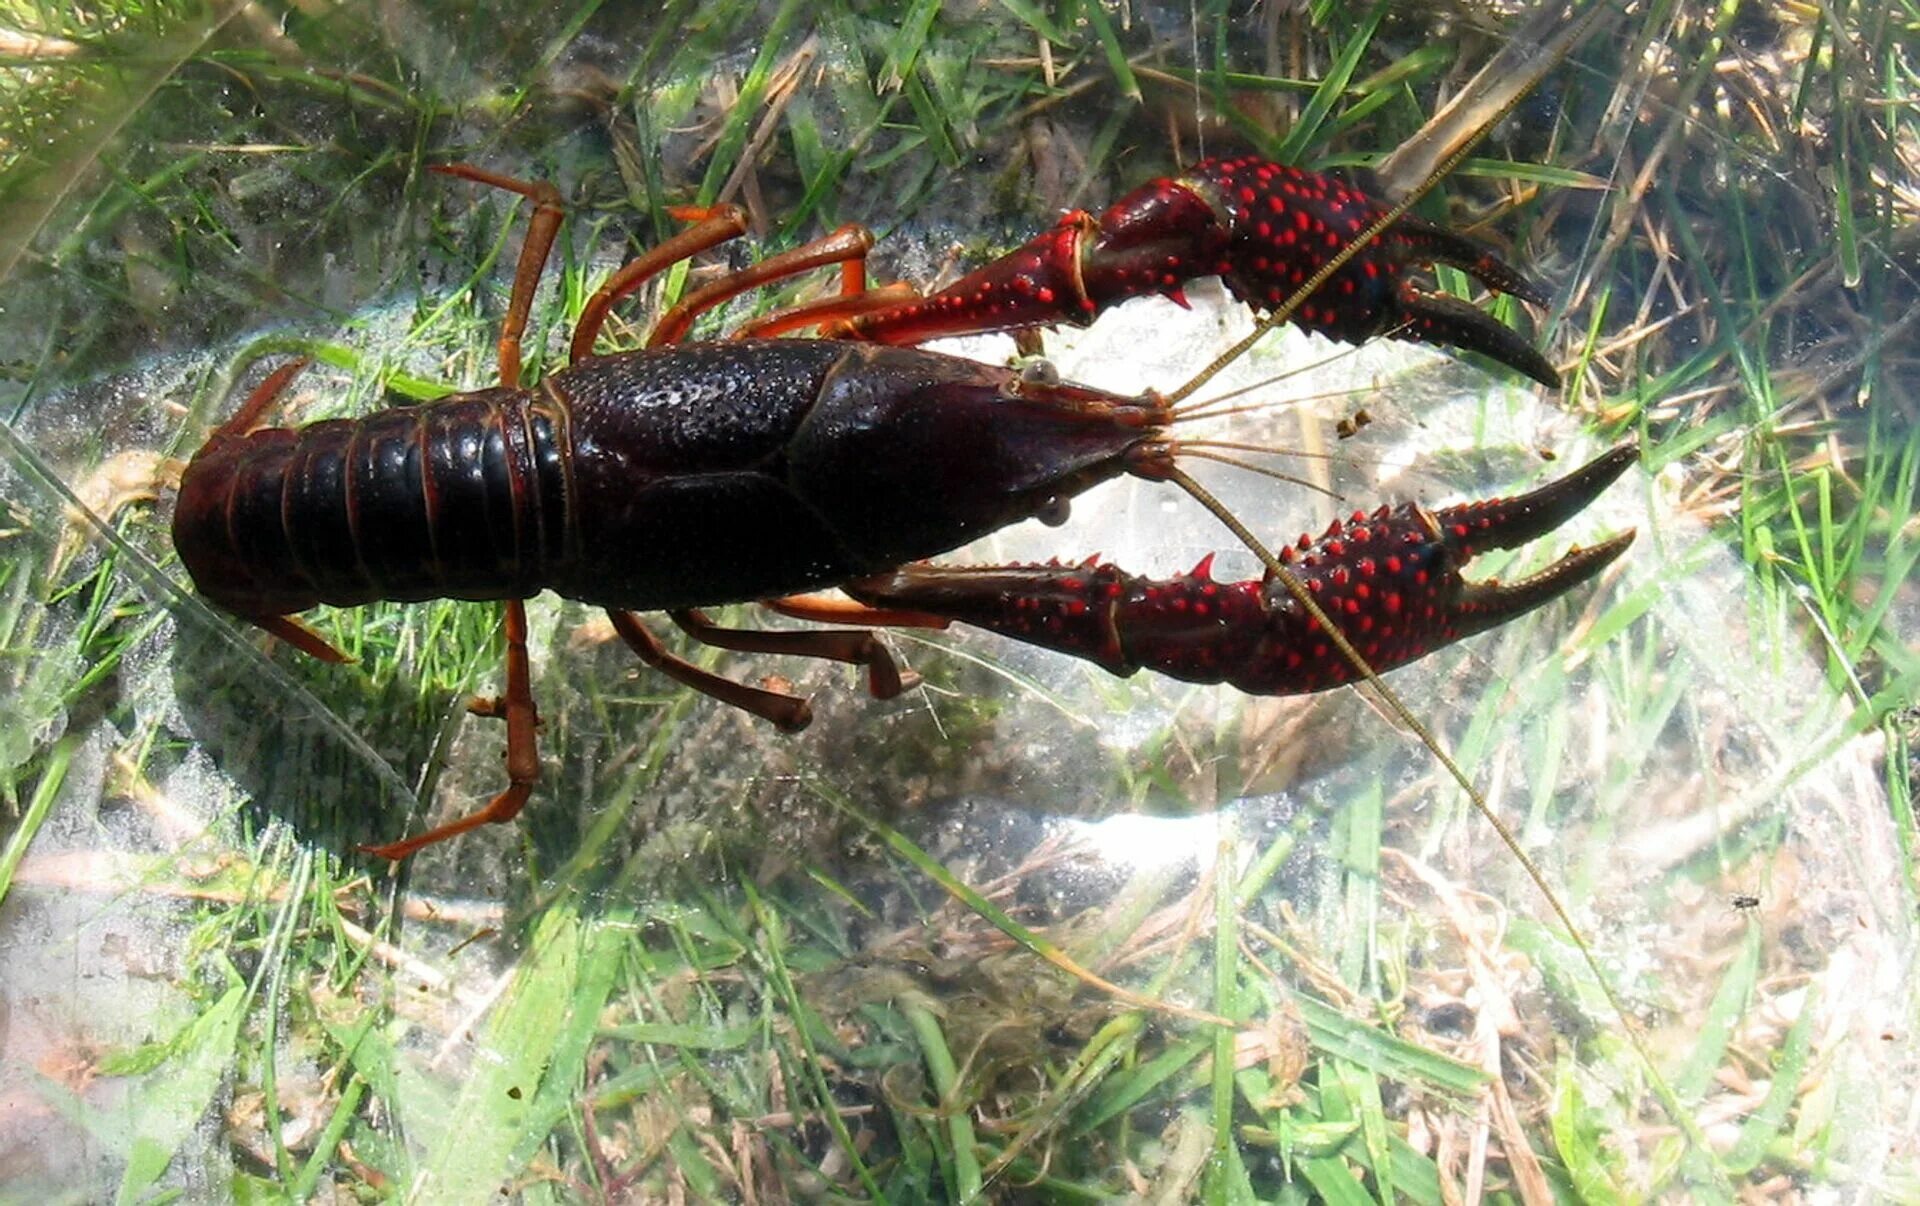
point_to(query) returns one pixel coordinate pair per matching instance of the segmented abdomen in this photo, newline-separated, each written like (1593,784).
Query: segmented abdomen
(464,498)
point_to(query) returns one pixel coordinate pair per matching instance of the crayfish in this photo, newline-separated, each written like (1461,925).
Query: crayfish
(690,474)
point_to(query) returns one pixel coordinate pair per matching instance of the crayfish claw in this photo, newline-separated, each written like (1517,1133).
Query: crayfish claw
(1484,605)
(1504,523)
(1440,318)
(1471,256)
(1390,581)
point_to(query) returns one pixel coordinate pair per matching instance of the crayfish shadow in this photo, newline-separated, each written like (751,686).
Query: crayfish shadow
(313,746)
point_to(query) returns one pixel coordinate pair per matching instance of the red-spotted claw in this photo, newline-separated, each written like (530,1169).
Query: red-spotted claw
(1391,580)
(1264,228)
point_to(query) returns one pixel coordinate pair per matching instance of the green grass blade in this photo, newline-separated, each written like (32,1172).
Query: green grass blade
(1127,1089)
(473,1155)
(1579,1138)
(1723,1017)
(52,776)
(1383,1053)
(1767,1122)
(1226,973)
(1307,130)
(1095,13)
(775,963)
(168,1105)
(946,1084)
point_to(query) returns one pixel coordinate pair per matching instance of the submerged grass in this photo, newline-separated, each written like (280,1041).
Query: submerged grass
(881,965)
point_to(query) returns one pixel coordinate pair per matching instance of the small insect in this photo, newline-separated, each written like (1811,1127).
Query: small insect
(1744,901)
(1347,428)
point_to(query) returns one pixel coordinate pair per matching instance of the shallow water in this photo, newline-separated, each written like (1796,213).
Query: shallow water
(1662,743)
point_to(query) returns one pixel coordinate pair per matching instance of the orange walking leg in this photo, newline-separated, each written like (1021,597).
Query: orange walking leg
(541,229)
(523,753)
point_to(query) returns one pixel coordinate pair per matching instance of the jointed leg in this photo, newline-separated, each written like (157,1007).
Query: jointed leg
(823,310)
(827,609)
(847,247)
(541,229)
(515,705)
(788,713)
(523,755)
(716,226)
(297,634)
(263,396)
(884,680)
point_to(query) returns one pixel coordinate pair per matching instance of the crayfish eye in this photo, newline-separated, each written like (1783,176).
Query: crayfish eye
(1039,372)
(1054,512)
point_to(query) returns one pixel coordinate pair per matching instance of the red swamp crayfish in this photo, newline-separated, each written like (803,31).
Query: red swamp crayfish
(686,475)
